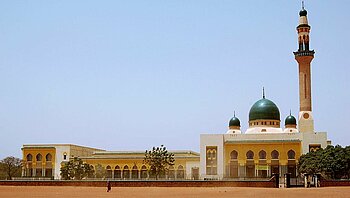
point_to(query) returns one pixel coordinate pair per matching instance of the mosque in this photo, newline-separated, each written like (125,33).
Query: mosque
(263,149)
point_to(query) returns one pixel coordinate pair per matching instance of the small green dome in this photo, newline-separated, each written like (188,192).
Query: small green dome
(290,120)
(234,122)
(264,109)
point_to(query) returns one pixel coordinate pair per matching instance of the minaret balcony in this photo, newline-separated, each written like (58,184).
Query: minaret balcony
(304,53)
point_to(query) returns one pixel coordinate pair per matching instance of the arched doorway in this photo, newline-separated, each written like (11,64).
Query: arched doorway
(117,172)
(275,168)
(171,172)
(144,172)
(291,164)
(233,170)
(38,169)
(250,166)
(108,172)
(180,173)
(262,167)
(126,172)
(134,172)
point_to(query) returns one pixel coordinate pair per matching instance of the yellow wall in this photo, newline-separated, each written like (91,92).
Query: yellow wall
(281,147)
(43,151)
(129,162)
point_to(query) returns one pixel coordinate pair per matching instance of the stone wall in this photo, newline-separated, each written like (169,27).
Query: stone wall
(266,184)
(326,183)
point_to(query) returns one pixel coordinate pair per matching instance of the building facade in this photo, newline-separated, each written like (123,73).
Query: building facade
(45,160)
(265,147)
(268,146)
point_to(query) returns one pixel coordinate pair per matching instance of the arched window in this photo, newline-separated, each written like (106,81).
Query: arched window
(143,172)
(117,172)
(108,171)
(134,172)
(171,172)
(211,154)
(180,172)
(234,154)
(48,157)
(262,154)
(29,157)
(64,156)
(250,154)
(291,154)
(126,172)
(39,157)
(274,154)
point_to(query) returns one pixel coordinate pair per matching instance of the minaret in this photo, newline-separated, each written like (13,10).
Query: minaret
(304,57)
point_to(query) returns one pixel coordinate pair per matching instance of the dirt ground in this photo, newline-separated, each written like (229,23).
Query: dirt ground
(154,192)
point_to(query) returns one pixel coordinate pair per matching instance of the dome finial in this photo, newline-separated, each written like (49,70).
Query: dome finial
(302,12)
(290,112)
(302,5)
(234,113)
(263,92)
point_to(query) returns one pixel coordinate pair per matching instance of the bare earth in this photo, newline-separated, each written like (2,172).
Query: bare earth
(154,192)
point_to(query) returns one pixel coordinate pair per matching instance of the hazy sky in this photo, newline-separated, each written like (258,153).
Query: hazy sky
(129,75)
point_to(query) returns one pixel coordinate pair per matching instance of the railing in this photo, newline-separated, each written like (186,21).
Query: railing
(304,53)
(32,178)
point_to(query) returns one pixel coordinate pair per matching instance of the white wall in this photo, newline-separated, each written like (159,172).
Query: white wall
(60,150)
(212,140)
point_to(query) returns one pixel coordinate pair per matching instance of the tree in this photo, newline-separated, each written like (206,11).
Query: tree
(158,159)
(100,171)
(11,167)
(76,169)
(332,162)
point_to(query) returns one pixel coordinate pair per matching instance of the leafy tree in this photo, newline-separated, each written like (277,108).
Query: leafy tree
(332,162)
(10,167)
(100,171)
(76,169)
(310,163)
(158,159)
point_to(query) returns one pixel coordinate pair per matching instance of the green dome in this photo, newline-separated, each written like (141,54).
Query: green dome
(290,120)
(264,109)
(234,122)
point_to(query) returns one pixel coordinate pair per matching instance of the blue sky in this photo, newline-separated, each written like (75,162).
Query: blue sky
(129,75)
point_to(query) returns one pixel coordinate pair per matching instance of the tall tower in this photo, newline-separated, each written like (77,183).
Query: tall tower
(304,57)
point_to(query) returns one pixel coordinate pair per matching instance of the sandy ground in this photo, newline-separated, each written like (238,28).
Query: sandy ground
(154,192)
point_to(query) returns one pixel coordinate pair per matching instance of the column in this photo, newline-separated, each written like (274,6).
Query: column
(241,171)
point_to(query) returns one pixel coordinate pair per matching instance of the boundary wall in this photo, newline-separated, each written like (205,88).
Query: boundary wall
(327,183)
(265,184)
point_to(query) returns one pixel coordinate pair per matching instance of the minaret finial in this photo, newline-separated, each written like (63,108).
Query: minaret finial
(302,5)
(263,92)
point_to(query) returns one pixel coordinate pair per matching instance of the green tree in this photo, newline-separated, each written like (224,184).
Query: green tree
(100,171)
(76,169)
(310,163)
(10,167)
(158,159)
(332,162)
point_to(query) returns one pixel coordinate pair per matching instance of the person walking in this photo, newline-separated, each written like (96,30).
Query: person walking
(109,187)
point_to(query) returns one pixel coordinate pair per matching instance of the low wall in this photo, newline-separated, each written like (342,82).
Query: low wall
(326,183)
(265,184)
